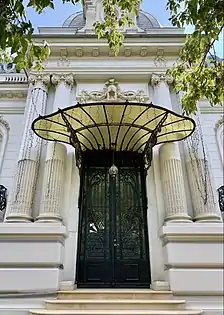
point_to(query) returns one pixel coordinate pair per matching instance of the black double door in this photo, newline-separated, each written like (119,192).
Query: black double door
(113,241)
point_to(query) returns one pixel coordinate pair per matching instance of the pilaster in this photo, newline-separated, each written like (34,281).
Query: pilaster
(173,184)
(170,160)
(50,209)
(52,183)
(199,176)
(20,205)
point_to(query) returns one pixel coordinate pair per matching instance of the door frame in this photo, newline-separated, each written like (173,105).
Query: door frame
(143,174)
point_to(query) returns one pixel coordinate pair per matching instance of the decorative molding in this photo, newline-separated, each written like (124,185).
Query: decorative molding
(12,94)
(7,67)
(13,110)
(112,92)
(40,80)
(4,132)
(192,233)
(160,60)
(127,51)
(220,122)
(68,79)
(63,60)
(219,129)
(95,52)
(111,53)
(143,51)
(4,123)
(157,78)
(34,232)
(15,78)
(79,52)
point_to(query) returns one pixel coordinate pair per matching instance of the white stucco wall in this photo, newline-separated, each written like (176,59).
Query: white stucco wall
(15,119)
(209,120)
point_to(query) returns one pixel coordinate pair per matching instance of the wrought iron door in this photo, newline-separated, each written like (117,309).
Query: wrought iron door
(113,242)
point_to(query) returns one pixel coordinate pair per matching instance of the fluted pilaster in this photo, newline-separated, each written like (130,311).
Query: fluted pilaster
(20,202)
(52,183)
(173,183)
(202,194)
(55,158)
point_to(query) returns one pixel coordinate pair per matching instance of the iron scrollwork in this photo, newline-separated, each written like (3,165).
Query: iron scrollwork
(3,199)
(221,198)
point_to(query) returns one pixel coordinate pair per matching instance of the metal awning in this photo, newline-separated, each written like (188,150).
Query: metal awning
(135,127)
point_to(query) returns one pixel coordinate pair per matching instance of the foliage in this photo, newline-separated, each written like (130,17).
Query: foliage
(198,72)
(16,33)
(194,74)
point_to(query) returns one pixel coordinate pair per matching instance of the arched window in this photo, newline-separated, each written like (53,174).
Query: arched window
(220,136)
(4,134)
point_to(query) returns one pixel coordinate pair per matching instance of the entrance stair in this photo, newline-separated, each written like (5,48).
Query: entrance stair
(115,302)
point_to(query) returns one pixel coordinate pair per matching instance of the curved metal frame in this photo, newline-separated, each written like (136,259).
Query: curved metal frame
(151,141)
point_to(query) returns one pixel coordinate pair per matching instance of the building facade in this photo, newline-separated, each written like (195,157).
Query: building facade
(101,212)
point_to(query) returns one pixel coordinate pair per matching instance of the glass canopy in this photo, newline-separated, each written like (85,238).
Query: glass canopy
(135,127)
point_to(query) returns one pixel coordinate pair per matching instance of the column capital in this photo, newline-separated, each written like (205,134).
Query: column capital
(42,80)
(67,78)
(157,78)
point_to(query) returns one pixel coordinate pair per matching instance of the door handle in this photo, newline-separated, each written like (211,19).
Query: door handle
(115,243)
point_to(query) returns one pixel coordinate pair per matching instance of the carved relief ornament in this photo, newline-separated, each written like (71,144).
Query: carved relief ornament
(160,60)
(68,79)
(220,122)
(4,122)
(157,78)
(112,92)
(40,80)
(63,61)
(12,94)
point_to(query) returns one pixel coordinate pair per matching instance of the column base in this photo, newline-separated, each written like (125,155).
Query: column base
(48,218)
(208,218)
(178,218)
(67,286)
(20,218)
(160,286)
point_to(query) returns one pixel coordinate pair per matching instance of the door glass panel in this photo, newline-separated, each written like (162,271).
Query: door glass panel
(129,215)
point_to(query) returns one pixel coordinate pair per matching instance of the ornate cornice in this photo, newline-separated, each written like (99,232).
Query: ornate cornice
(157,78)
(220,122)
(68,79)
(112,92)
(4,122)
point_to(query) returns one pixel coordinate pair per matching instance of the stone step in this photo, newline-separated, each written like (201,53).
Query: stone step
(106,304)
(114,312)
(117,294)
